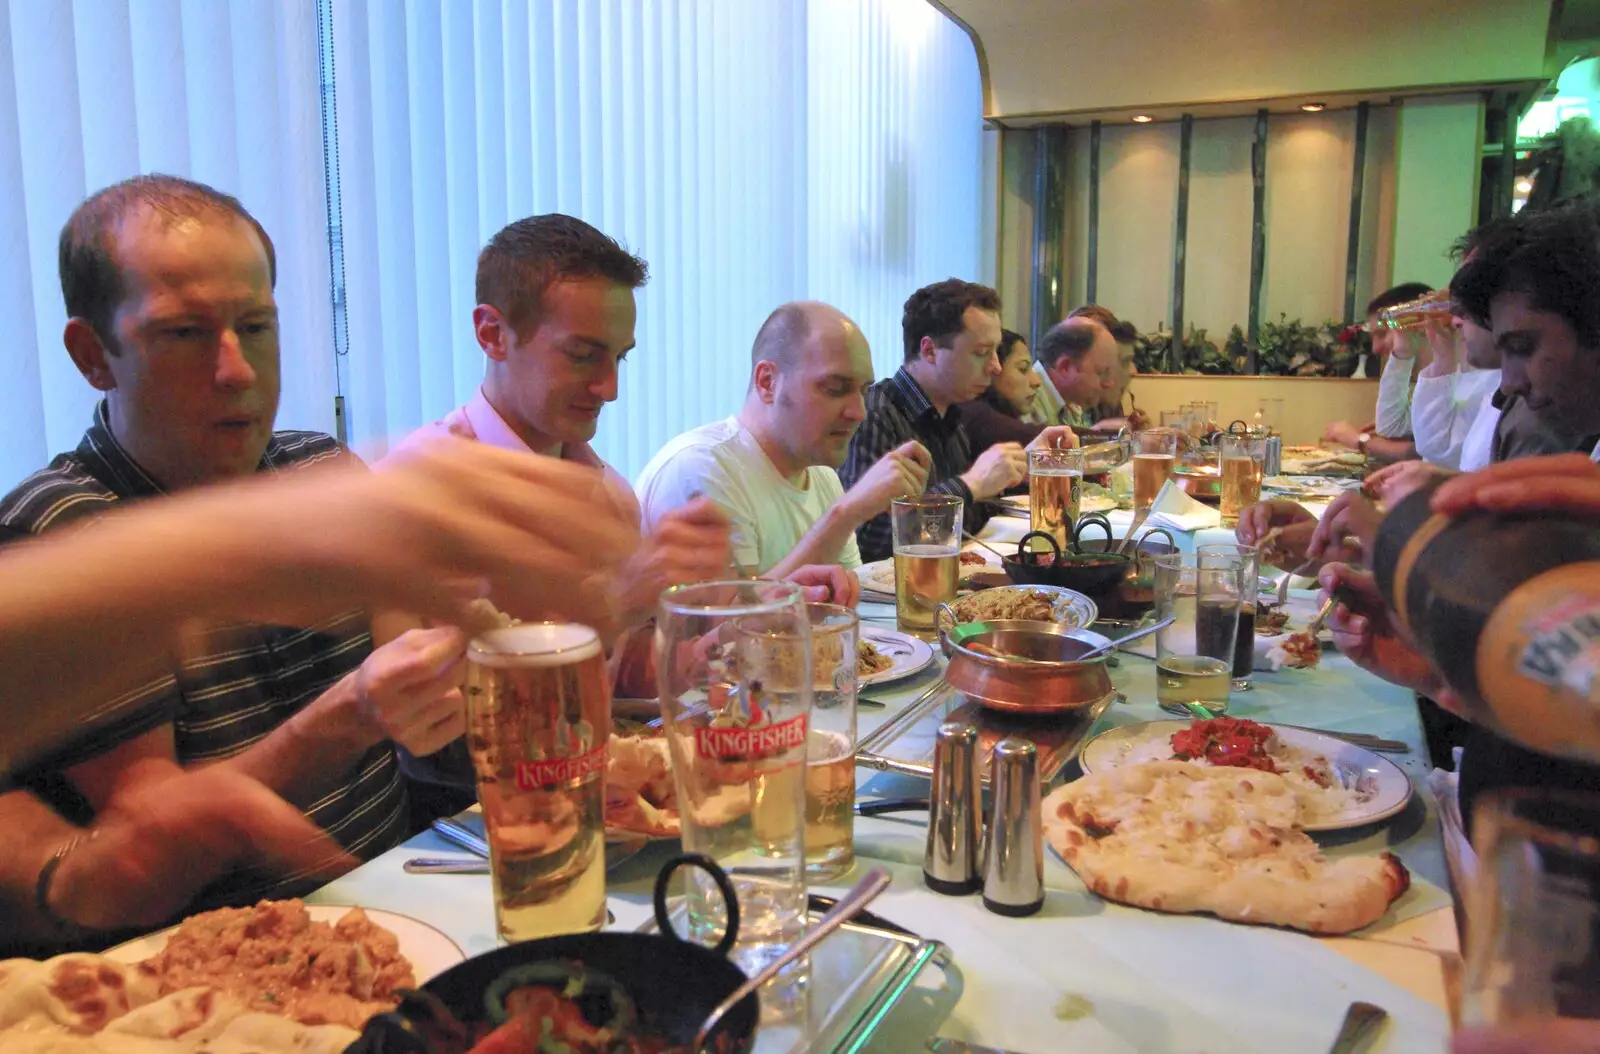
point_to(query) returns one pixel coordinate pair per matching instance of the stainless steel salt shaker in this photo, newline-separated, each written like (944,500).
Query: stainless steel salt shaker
(955,813)
(1013,864)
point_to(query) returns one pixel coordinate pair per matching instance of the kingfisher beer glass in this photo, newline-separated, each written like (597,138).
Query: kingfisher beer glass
(539,723)
(734,664)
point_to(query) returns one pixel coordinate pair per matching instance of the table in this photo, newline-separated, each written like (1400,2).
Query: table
(1155,983)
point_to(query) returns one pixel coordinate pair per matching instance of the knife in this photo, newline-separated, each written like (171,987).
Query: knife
(459,834)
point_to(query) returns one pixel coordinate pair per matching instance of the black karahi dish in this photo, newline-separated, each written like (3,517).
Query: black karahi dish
(643,993)
(1094,574)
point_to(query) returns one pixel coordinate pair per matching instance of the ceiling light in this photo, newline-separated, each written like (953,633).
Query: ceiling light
(1142,118)
(1524,185)
(1313,107)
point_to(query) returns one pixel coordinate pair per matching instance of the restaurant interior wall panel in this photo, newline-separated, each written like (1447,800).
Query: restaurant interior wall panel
(1015,265)
(1437,170)
(1309,403)
(1138,209)
(751,153)
(1075,239)
(1375,267)
(1310,160)
(1217,287)
(225,92)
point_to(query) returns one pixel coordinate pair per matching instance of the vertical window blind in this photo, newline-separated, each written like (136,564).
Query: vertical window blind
(753,151)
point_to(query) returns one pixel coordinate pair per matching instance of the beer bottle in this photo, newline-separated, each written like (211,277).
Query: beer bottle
(1507,608)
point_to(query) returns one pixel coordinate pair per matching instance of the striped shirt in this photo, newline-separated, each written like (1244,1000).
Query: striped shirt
(239,681)
(898,410)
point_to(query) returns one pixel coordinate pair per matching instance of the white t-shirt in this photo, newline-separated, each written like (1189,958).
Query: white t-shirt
(1445,413)
(723,462)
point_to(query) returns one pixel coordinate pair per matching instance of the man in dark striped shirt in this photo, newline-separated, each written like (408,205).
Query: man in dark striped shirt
(169,289)
(951,331)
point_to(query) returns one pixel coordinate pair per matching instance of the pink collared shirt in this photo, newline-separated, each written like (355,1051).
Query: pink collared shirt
(479,421)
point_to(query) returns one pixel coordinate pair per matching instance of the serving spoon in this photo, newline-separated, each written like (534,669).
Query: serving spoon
(848,907)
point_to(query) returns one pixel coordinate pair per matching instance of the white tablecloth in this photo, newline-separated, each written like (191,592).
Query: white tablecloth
(1156,983)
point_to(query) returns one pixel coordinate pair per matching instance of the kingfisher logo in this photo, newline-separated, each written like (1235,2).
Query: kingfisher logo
(751,744)
(1565,640)
(551,773)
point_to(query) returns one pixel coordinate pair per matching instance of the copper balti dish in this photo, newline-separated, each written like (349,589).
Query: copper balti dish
(1024,667)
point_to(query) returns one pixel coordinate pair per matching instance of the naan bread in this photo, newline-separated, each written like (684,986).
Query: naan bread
(88,1004)
(1182,838)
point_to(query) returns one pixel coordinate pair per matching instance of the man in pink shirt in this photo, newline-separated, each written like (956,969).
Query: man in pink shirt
(555,318)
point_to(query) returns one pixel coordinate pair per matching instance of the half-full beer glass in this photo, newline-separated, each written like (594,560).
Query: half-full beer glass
(1155,457)
(734,664)
(1242,460)
(538,725)
(831,741)
(927,558)
(1055,487)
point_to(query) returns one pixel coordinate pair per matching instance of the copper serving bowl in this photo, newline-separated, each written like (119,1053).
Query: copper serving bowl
(1024,667)
(1201,484)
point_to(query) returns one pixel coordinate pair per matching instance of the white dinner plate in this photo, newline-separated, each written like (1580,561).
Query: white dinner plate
(909,654)
(431,952)
(1016,504)
(1384,787)
(878,576)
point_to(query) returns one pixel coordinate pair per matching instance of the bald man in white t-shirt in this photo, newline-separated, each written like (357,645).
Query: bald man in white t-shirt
(772,466)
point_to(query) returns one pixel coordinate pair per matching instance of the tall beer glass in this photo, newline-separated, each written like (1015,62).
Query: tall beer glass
(734,665)
(539,723)
(927,558)
(1241,460)
(1055,487)
(1155,456)
(831,742)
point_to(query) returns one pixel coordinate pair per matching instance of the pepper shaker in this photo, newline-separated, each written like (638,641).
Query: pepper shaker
(1013,865)
(955,817)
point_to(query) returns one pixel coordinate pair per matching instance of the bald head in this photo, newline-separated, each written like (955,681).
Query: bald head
(810,366)
(1080,355)
(787,334)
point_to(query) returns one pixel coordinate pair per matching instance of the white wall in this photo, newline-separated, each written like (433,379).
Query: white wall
(1437,171)
(1310,162)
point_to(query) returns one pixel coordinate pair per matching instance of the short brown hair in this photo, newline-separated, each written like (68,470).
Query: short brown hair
(91,281)
(935,311)
(1096,313)
(529,256)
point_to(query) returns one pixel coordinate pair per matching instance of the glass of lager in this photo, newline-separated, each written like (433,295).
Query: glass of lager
(1155,456)
(1055,487)
(831,742)
(927,557)
(734,666)
(1241,460)
(538,725)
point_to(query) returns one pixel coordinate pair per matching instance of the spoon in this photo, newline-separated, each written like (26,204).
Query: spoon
(848,907)
(1144,631)
(1315,625)
(1133,528)
(969,536)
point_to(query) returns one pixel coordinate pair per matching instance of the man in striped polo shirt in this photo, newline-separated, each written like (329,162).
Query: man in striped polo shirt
(169,289)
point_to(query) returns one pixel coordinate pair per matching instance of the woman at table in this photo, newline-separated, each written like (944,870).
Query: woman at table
(996,415)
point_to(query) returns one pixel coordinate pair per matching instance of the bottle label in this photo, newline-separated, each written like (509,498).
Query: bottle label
(1538,660)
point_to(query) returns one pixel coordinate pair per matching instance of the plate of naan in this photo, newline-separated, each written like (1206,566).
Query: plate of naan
(281,976)
(1338,785)
(1178,837)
